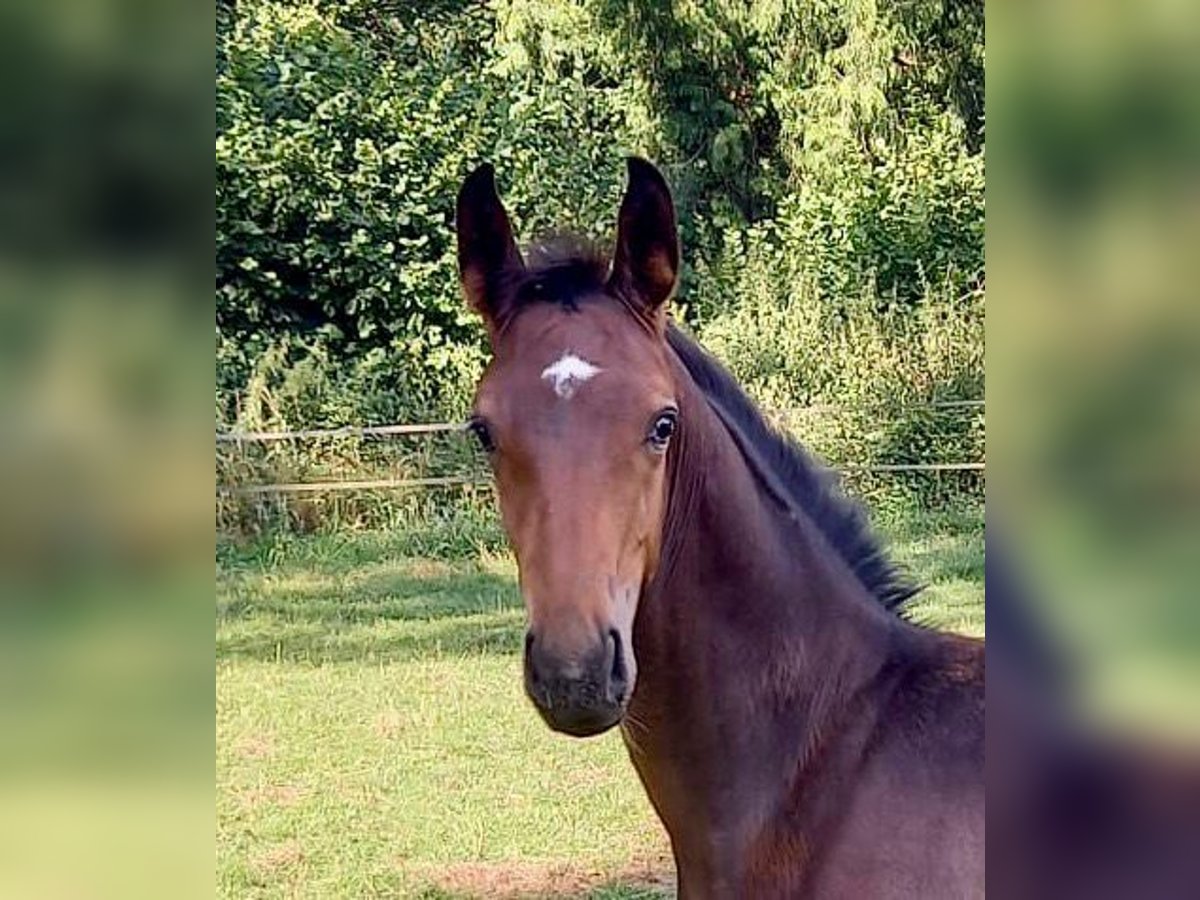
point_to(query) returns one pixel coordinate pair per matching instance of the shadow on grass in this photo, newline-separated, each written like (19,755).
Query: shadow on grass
(372,596)
(919,524)
(292,643)
(343,600)
(456,537)
(958,558)
(635,888)
(376,615)
(629,891)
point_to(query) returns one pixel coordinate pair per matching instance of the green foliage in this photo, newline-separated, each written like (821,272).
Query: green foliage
(330,199)
(342,137)
(826,159)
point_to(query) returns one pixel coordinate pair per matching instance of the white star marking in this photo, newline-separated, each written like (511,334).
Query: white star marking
(568,374)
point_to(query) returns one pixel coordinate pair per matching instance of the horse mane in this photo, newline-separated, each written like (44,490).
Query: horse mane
(561,268)
(790,471)
(567,270)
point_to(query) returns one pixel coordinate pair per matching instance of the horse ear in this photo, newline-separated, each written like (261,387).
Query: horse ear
(487,251)
(645,266)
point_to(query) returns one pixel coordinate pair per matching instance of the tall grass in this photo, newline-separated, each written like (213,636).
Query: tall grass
(875,368)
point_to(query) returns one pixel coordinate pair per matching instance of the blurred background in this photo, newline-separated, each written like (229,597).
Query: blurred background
(1094,342)
(106,693)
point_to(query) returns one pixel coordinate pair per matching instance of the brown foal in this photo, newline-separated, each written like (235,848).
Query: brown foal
(694,577)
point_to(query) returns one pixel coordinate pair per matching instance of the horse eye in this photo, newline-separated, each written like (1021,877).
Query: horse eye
(663,428)
(479,428)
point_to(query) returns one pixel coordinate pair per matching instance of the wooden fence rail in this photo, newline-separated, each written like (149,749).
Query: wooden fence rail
(234,437)
(313,487)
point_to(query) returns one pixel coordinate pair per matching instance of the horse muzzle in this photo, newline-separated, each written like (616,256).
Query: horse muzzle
(579,695)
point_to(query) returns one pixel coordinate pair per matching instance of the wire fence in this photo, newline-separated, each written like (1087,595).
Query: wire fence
(400,430)
(225,437)
(435,427)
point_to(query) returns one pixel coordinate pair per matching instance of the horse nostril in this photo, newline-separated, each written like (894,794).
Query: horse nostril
(618,677)
(530,665)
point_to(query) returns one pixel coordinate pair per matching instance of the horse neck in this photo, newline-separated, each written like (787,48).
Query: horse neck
(754,635)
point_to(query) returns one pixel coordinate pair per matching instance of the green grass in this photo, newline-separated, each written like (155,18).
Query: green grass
(373,738)
(944,552)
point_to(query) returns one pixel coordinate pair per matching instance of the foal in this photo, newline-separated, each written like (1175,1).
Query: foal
(691,575)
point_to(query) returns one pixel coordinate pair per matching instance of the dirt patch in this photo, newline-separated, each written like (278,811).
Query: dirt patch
(254,746)
(390,723)
(277,860)
(281,795)
(549,881)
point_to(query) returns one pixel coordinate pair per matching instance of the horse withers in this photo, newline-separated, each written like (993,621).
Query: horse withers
(693,577)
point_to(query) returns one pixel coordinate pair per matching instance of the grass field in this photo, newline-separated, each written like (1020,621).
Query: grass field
(373,738)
